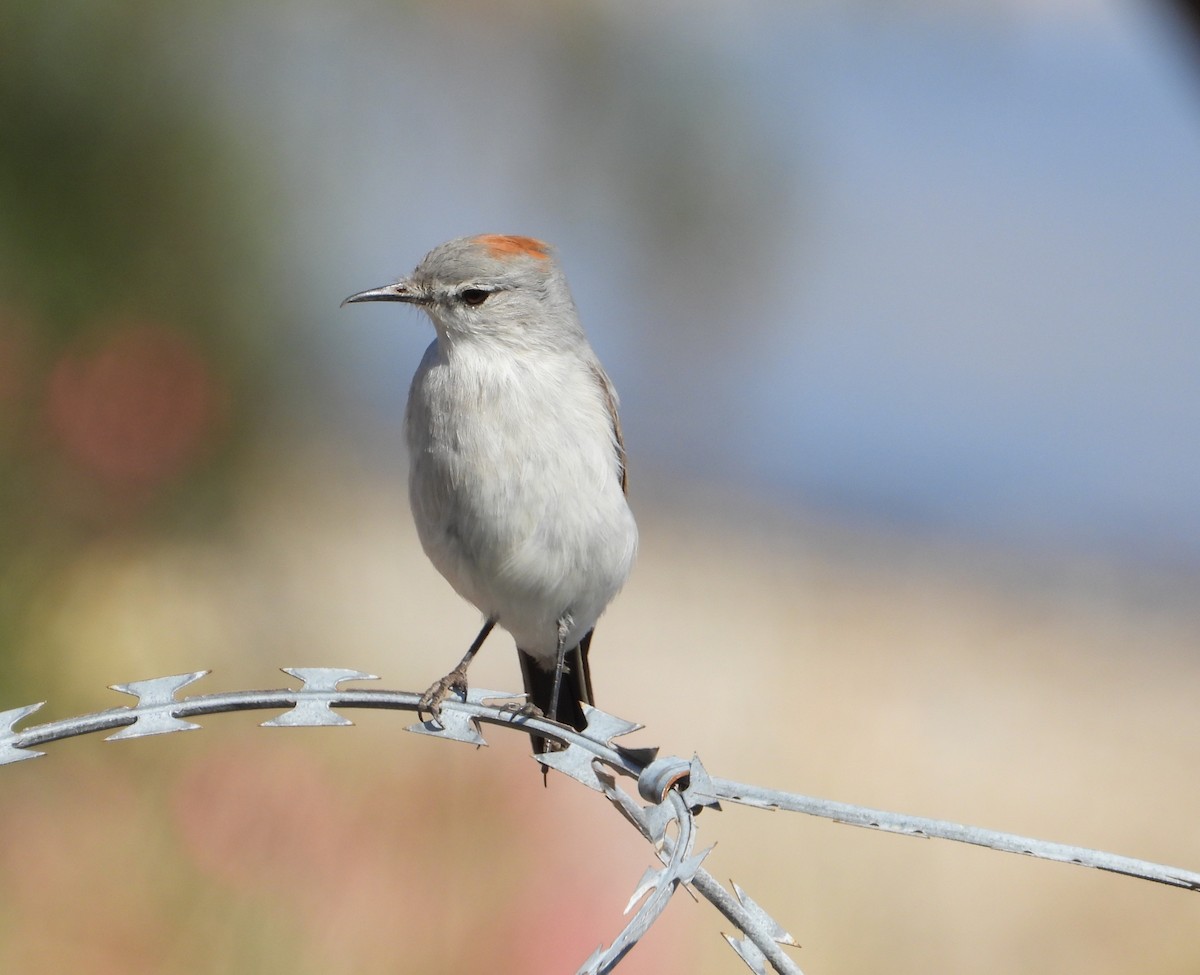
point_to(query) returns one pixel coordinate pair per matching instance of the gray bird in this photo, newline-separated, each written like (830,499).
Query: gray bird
(517,483)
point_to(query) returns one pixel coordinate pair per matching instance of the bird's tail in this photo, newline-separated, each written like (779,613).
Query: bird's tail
(576,687)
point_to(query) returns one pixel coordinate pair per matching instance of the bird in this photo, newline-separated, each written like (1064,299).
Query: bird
(517,477)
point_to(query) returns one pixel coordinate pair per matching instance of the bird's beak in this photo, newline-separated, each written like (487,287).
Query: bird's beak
(400,291)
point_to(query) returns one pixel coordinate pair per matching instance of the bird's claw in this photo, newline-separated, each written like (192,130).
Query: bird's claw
(524,709)
(439,690)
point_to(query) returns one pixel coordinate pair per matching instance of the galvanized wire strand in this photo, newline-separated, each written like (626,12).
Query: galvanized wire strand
(841,812)
(673,787)
(589,757)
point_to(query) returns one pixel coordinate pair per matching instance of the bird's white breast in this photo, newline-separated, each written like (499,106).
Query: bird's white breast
(515,487)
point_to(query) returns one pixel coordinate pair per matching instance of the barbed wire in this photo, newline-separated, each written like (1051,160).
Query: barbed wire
(674,789)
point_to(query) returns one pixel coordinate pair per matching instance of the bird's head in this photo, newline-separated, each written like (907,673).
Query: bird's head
(491,287)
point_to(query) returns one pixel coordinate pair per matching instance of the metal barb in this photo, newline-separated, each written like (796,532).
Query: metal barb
(10,749)
(156,706)
(759,925)
(766,923)
(748,952)
(675,789)
(312,708)
(575,762)
(657,884)
(604,727)
(757,945)
(483,697)
(592,965)
(650,880)
(700,792)
(452,725)
(325,679)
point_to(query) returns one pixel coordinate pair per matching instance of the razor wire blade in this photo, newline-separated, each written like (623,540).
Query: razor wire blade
(675,789)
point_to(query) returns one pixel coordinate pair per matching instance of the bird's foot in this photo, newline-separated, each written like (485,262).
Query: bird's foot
(526,709)
(439,690)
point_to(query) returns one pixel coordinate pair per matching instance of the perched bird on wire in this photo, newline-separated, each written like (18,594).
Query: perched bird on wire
(517,481)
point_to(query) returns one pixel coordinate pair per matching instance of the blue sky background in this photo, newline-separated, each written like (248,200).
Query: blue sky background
(1000,327)
(934,267)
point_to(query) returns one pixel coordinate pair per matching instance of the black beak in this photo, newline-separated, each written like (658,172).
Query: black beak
(400,291)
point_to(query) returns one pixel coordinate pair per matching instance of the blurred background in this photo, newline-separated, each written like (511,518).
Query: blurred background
(901,301)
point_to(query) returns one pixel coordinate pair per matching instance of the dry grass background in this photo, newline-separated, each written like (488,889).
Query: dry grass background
(1052,698)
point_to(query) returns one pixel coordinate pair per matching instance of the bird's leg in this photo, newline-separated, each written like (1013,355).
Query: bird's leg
(559,665)
(456,680)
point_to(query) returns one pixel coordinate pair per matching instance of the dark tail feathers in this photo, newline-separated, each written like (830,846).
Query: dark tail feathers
(576,687)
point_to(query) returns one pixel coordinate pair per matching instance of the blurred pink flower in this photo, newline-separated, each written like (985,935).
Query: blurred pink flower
(136,410)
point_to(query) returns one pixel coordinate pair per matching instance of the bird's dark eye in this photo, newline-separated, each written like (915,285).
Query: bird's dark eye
(475,296)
